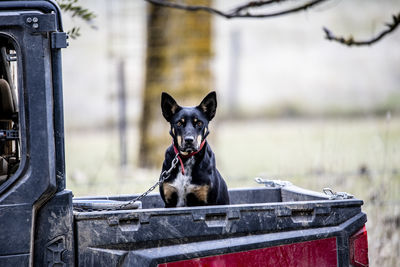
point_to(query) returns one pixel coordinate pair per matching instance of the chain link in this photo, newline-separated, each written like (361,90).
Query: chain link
(272,183)
(164,176)
(336,195)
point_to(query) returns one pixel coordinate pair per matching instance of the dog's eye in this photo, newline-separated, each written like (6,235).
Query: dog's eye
(199,123)
(179,124)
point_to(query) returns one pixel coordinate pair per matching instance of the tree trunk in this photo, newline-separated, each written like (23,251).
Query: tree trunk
(178,62)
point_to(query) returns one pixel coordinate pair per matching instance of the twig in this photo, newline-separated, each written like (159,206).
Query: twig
(237,13)
(76,10)
(256,4)
(283,12)
(188,7)
(350,40)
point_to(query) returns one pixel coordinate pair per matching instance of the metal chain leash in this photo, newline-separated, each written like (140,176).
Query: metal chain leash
(129,204)
(164,176)
(132,204)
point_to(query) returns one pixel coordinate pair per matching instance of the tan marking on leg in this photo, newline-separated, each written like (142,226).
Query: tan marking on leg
(200,191)
(168,191)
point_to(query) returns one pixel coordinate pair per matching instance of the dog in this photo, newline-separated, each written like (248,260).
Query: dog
(195,181)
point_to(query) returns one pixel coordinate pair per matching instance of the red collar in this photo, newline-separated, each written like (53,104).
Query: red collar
(188,155)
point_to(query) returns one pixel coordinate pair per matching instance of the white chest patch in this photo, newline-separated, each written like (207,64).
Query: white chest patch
(182,182)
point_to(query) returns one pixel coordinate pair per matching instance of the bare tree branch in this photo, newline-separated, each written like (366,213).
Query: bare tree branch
(303,7)
(243,11)
(350,40)
(252,4)
(238,12)
(188,7)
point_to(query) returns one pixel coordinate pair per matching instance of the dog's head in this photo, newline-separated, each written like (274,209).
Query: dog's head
(189,125)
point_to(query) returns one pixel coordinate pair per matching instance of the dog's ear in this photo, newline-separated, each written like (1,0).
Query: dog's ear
(209,105)
(168,106)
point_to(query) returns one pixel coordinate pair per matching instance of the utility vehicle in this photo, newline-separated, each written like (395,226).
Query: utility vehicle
(41,224)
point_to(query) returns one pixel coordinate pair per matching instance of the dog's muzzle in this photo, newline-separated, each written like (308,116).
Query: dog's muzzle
(189,144)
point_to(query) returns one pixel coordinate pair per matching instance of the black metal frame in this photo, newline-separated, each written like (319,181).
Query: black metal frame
(38,186)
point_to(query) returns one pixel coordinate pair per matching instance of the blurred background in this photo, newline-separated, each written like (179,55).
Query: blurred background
(291,105)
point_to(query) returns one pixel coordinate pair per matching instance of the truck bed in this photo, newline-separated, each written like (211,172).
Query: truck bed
(259,220)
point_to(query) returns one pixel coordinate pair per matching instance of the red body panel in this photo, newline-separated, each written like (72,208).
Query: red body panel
(359,248)
(321,252)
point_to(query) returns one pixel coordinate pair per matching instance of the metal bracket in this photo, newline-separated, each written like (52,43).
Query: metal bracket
(6,135)
(10,57)
(40,23)
(59,40)
(336,195)
(272,183)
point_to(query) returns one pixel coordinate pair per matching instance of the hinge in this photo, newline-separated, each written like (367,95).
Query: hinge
(59,40)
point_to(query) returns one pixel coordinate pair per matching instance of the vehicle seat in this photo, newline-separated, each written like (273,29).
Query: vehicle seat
(6,111)
(6,102)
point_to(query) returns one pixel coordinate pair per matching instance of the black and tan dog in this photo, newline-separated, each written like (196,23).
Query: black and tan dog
(196,181)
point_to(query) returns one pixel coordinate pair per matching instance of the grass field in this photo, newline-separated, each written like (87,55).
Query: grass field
(359,156)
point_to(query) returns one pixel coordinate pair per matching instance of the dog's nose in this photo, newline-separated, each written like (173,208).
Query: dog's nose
(189,139)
